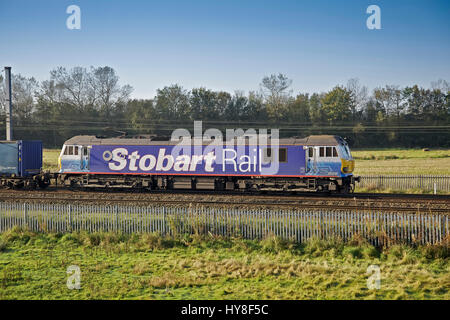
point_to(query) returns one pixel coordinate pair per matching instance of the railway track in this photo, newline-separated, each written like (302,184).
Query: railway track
(379,202)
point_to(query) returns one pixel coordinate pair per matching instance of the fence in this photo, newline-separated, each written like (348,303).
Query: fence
(379,228)
(405,182)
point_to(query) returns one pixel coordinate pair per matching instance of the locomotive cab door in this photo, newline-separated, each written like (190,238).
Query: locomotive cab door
(311,160)
(85,153)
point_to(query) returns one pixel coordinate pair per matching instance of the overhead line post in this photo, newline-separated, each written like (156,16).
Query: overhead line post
(9,135)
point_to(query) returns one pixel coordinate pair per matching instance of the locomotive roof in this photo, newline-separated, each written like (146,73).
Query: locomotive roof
(317,140)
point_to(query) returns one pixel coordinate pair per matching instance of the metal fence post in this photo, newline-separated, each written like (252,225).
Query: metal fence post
(164,220)
(25,215)
(116,217)
(69,212)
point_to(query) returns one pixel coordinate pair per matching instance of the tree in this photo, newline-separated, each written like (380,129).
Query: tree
(236,107)
(390,98)
(72,86)
(274,88)
(255,109)
(23,92)
(358,95)
(105,83)
(298,109)
(223,99)
(358,131)
(98,88)
(204,104)
(336,105)
(141,113)
(315,108)
(173,103)
(23,96)
(441,85)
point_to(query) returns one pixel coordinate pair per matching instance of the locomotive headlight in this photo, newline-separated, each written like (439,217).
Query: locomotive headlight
(347,166)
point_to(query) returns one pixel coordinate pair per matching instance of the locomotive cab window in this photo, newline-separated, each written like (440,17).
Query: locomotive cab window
(328,152)
(282,155)
(71,151)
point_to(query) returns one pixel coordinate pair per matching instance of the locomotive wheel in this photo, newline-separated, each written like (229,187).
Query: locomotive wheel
(29,184)
(43,184)
(19,185)
(345,189)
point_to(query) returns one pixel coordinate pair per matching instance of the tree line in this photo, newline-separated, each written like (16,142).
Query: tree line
(92,101)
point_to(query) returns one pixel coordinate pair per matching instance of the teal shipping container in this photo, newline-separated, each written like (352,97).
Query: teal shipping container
(21,158)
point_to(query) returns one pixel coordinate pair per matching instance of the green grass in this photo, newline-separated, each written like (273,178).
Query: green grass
(402,161)
(33,266)
(405,191)
(50,159)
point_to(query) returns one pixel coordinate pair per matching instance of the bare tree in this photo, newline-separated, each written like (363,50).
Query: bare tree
(359,96)
(274,89)
(98,88)
(441,84)
(23,95)
(105,82)
(70,86)
(390,98)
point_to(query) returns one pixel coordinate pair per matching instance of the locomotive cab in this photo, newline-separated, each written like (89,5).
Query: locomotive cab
(74,158)
(348,163)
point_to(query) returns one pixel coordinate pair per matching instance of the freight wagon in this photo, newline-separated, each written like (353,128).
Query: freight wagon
(21,164)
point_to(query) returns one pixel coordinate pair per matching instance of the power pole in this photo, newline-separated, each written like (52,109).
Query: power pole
(9,135)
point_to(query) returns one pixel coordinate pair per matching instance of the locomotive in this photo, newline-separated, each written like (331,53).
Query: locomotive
(315,163)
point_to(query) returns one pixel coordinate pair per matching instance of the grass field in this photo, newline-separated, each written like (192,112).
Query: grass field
(50,159)
(33,266)
(402,161)
(388,161)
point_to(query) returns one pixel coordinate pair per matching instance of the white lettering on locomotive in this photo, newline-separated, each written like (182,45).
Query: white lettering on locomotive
(117,156)
(123,159)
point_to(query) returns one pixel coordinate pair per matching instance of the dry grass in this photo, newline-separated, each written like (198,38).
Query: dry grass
(402,161)
(33,266)
(50,159)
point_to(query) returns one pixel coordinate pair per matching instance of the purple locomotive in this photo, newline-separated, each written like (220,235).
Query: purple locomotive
(317,163)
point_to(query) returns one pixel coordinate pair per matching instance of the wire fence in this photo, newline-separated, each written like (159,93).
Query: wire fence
(379,228)
(405,182)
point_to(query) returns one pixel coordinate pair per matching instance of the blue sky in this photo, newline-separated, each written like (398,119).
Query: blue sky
(231,45)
